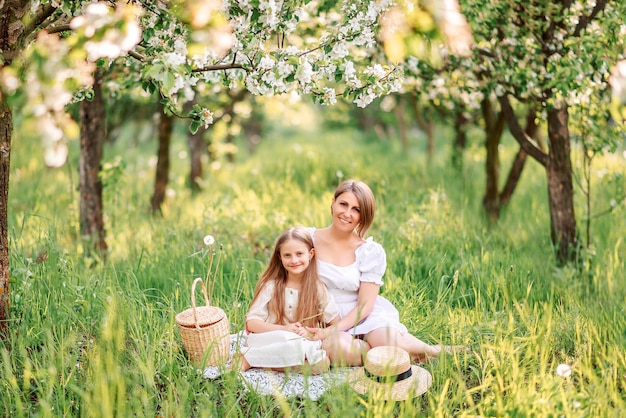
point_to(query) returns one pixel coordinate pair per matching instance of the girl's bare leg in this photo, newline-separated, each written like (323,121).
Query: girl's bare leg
(345,350)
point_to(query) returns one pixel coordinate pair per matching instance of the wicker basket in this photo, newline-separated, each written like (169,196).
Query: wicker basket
(205,331)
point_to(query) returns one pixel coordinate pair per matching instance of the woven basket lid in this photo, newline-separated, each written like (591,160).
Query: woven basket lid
(207,315)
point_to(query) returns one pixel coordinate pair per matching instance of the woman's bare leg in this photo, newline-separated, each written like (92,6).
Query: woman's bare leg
(321,366)
(345,350)
(417,349)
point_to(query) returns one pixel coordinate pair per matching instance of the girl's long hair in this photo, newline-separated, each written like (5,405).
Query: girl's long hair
(309,310)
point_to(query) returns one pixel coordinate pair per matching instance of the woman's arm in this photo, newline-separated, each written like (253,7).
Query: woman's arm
(364,306)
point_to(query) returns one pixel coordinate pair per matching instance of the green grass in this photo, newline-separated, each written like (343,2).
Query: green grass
(94,339)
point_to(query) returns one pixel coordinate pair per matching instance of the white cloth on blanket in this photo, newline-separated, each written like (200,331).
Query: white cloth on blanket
(281,349)
(289,385)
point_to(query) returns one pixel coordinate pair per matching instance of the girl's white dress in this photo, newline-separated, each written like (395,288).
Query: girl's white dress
(343,284)
(284,348)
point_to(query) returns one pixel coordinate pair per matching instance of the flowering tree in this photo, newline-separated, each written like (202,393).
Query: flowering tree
(552,58)
(40,72)
(618,87)
(557,56)
(462,92)
(180,49)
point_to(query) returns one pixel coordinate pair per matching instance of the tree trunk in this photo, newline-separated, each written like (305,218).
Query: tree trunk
(425,125)
(494,201)
(166,124)
(460,140)
(230,156)
(520,159)
(253,128)
(514,175)
(12,37)
(558,167)
(196,145)
(92,133)
(494,126)
(560,187)
(399,111)
(6,129)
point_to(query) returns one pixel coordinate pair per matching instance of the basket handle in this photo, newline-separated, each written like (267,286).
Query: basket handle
(193,298)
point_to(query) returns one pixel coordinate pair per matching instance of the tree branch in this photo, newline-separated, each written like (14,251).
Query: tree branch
(519,134)
(58,28)
(218,67)
(38,18)
(136,55)
(583,21)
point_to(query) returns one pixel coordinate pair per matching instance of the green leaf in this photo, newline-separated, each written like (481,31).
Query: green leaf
(148,86)
(168,81)
(338,75)
(152,71)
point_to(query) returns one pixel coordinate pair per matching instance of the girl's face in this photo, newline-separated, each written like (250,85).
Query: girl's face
(295,256)
(346,211)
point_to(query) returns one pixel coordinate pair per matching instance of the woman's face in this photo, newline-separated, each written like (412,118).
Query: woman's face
(346,211)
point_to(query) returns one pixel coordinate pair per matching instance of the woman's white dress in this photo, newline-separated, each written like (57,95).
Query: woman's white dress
(343,283)
(284,348)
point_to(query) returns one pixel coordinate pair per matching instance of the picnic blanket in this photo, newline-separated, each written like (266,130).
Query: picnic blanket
(268,382)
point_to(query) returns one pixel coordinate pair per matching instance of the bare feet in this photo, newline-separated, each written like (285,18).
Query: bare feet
(321,366)
(437,349)
(239,363)
(451,349)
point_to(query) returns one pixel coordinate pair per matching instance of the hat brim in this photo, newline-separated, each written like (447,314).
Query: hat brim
(414,386)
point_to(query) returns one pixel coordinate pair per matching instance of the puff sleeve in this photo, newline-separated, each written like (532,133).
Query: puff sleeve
(327,304)
(372,261)
(258,310)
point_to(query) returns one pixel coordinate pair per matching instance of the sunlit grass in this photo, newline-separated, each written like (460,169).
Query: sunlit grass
(93,339)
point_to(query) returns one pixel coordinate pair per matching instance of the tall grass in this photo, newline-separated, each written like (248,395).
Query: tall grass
(99,339)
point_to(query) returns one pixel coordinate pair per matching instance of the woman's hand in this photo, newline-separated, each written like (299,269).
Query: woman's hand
(317,334)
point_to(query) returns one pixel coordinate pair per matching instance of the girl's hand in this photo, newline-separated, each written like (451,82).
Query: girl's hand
(296,327)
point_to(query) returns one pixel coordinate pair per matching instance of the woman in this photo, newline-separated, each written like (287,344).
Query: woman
(352,268)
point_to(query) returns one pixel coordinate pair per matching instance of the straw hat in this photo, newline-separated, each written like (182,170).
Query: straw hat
(388,370)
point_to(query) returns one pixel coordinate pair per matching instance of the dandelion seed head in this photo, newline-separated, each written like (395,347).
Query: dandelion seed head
(209,240)
(564,370)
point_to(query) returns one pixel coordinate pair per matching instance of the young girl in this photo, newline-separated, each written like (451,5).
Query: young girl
(288,298)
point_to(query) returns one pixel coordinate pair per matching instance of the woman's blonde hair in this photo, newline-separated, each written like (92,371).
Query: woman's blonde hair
(367,203)
(308,312)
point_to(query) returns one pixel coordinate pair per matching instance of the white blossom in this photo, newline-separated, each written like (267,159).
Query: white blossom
(365,98)
(376,70)
(330,96)
(266,63)
(304,74)
(340,50)
(56,155)
(174,59)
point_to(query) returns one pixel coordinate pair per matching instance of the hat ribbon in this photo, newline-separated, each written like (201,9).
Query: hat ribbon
(387,379)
